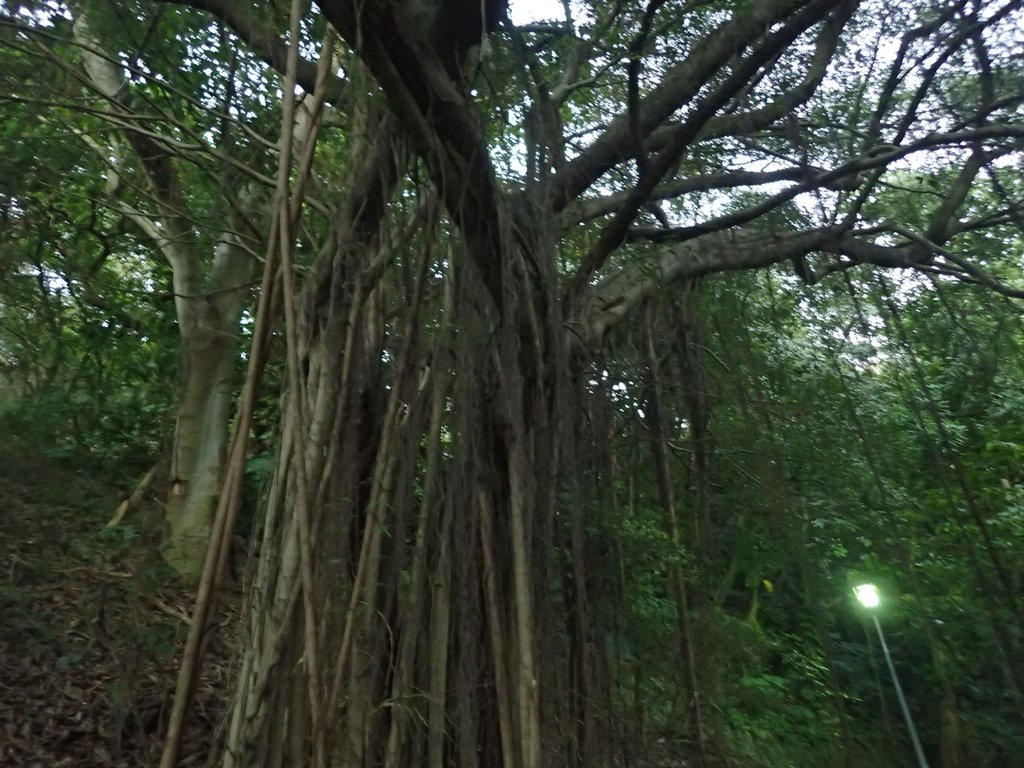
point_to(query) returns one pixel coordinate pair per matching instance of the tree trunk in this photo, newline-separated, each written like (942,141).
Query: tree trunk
(208,313)
(208,322)
(210,360)
(376,369)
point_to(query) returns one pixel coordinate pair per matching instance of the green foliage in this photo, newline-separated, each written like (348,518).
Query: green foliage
(829,467)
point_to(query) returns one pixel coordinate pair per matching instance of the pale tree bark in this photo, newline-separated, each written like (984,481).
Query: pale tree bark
(209,325)
(208,306)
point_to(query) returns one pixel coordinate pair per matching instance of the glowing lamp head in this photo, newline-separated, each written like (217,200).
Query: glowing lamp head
(867,594)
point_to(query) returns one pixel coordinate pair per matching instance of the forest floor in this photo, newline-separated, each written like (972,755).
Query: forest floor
(91,628)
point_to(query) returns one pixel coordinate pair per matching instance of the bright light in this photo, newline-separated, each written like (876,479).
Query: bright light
(867,594)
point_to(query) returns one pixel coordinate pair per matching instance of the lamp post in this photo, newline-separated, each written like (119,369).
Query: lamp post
(868,596)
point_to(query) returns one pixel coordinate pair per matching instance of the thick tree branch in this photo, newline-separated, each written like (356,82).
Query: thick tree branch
(876,161)
(613,299)
(740,73)
(679,87)
(587,209)
(748,122)
(418,70)
(919,253)
(174,236)
(942,227)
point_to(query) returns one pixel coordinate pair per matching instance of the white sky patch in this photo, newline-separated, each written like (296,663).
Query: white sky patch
(526,11)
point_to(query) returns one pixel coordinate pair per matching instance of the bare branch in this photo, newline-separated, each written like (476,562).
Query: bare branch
(587,209)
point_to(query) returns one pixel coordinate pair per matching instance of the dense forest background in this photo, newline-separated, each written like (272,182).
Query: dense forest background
(455,384)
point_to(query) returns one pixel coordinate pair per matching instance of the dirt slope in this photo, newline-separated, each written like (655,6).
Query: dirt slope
(91,625)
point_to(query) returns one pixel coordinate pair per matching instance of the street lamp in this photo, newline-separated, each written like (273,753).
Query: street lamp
(868,596)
